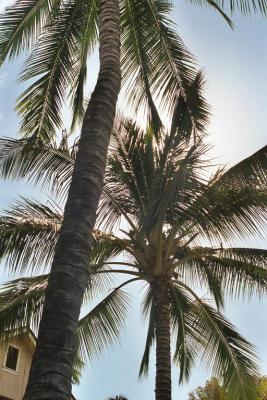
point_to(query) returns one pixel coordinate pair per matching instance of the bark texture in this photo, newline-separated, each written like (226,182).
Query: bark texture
(163,346)
(50,376)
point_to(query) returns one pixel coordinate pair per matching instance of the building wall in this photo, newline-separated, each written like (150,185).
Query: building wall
(13,383)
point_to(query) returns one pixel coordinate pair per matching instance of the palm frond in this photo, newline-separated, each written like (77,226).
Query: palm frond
(246,7)
(28,234)
(21,303)
(87,40)
(241,271)
(149,311)
(52,62)
(102,325)
(250,172)
(155,61)
(232,204)
(182,125)
(226,352)
(186,346)
(21,25)
(48,164)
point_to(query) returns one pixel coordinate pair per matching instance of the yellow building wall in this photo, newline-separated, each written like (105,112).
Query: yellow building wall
(13,383)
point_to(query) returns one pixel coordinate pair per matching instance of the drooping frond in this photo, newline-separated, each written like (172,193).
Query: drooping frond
(250,172)
(102,325)
(232,204)
(225,351)
(246,7)
(51,63)
(21,303)
(28,234)
(21,25)
(50,165)
(148,311)
(182,124)
(183,325)
(241,271)
(87,40)
(155,61)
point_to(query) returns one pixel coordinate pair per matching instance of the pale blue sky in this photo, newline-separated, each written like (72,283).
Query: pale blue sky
(235,65)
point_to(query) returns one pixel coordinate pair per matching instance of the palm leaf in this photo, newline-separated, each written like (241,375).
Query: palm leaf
(102,325)
(21,25)
(226,352)
(29,231)
(48,164)
(21,303)
(246,7)
(52,62)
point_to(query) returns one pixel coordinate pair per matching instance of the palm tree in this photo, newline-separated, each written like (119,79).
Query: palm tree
(154,57)
(177,231)
(65,33)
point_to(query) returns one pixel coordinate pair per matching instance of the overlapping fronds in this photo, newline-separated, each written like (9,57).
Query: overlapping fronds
(49,165)
(241,271)
(225,351)
(156,65)
(232,204)
(185,330)
(21,303)
(55,63)
(87,40)
(21,25)
(28,234)
(145,180)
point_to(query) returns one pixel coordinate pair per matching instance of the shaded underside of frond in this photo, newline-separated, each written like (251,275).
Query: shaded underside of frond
(47,164)
(28,234)
(21,25)
(226,353)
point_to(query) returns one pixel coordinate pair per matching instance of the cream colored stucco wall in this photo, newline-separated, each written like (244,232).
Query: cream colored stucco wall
(13,384)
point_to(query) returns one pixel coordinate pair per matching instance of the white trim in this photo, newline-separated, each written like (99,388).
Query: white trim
(10,370)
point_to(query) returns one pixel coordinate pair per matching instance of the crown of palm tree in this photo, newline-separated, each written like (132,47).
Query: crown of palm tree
(61,35)
(176,225)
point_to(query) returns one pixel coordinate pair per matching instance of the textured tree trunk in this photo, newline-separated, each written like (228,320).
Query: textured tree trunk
(163,346)
(50,376)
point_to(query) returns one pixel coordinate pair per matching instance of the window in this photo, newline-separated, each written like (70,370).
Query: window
(12,358)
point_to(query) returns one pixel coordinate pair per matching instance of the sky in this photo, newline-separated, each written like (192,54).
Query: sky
(235,66)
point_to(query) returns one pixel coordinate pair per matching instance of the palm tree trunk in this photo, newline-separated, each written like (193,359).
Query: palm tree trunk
(50,376)
(163,346)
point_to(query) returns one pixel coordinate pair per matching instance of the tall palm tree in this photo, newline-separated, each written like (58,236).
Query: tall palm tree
(65,32)
(154,58)
(177,234)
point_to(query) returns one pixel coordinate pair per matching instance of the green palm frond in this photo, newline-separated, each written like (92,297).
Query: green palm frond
(21,303)
(241,271)
(87,40)
(246,7)
(21,25)
(28,234)
(49,165)
(155,61)
(184,326)
(149,312)
(102,325)
(182,124)
(250,172)
(52,63)
(225,351)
